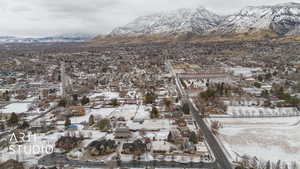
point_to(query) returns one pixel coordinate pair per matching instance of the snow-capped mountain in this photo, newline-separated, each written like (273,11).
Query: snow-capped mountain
(283,19)
(196,20)
(73,38)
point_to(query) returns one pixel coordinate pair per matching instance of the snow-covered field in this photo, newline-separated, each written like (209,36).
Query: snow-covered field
(16,108)
(268,139)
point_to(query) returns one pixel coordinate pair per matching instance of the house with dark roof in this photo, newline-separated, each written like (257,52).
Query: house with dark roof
(122,133)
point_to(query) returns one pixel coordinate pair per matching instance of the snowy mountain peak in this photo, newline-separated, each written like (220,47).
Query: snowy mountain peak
(283,19)
(196,20)
(289,4)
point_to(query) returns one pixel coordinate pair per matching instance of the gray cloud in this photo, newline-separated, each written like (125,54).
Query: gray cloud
(52,17)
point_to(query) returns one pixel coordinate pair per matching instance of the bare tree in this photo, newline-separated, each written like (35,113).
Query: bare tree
(294,165)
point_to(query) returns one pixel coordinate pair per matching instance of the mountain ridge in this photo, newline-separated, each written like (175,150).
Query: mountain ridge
(182,20)
(264,22)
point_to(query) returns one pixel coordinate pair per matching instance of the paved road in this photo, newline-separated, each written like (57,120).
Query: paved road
(222,161)
(60,158)
(221,158)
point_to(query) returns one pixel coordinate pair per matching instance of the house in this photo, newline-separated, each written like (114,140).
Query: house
(181,123)
(67,142)
(72,127)
(188,147)
(136,147)
(43,93)
(61,113)
(122,133)
(161,147)
(175,137)
(185,131)
(189,119)
(201,148)
(266,87)
(41,129)
(253,91)
(77,110)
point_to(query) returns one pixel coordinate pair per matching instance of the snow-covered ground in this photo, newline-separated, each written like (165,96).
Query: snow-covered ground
(126,111)
(108,95)
(16,108)
(32,149)
(258,122)
(101,113)
(152,124)
(244,71)
(268,139)
(129,112)
(143,113)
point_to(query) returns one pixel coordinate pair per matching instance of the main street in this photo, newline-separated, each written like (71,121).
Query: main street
(222,162)
(221,158)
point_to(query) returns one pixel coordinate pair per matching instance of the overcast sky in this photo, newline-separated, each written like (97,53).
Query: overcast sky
(55,17)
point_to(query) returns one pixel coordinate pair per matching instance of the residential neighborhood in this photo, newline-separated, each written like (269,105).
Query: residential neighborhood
(183,88)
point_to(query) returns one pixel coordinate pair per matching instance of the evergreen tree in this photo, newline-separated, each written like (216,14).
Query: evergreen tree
(209,94)
(67,122)
(149,98)
(85,100)
(154,113)
(24,125)
(62,103)
(13,120)
(193,137)
(2,126)
(186,108)
(167,102)
(75,97)
(104,124)
(114,102)
(170,137)
(91,120)
(257,84)
(298,86)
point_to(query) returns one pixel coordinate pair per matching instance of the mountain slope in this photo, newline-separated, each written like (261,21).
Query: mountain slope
(283,19)
(272,22)
(197,20)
